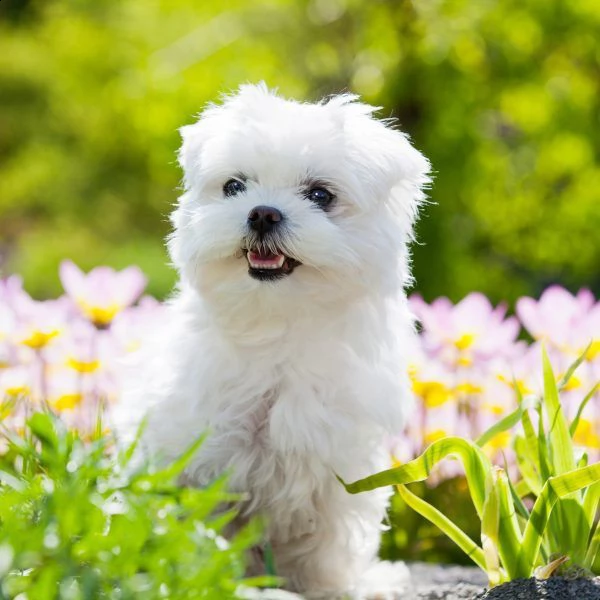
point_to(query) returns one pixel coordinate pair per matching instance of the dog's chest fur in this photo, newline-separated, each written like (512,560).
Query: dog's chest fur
(283,418)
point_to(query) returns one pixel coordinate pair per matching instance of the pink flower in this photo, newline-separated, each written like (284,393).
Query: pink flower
(561,319)
(133,325)
(12,294)
(466,332)
(40,323)
(103,292)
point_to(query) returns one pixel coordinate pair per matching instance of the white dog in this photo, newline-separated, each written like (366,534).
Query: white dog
(288,338)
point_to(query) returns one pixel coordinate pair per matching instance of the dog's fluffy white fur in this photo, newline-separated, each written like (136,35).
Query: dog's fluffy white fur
(298,378)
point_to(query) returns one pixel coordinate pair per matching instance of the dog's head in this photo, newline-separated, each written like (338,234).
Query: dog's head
(311,202)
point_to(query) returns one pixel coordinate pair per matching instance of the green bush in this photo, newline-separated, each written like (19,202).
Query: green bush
(77,521)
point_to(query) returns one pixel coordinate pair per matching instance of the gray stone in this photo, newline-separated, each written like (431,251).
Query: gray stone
(450,582)
(556,588)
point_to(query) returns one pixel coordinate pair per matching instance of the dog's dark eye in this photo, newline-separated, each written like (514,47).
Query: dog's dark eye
(234,187)
(320,196)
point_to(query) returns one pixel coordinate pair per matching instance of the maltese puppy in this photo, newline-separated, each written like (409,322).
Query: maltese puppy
(288,339)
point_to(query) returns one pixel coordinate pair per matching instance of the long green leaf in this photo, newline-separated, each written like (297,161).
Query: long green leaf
(475,462)
(533,450)
(591,502)
(555,488)
(433,515)
(526,468)
(510,539)
(520,508)
(593,548)
(490,530)
(561,445)
(546,464)
(582,405)
(591,508)
(572,368)
(501,426)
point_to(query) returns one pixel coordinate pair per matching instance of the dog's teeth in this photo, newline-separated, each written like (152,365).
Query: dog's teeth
(276,262)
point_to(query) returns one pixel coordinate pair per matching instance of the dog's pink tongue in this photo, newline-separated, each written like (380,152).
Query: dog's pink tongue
(265,259)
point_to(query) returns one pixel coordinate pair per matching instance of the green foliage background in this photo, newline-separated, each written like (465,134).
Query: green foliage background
(502,96)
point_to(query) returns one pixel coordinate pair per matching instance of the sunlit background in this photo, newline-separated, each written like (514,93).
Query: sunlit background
(503,97)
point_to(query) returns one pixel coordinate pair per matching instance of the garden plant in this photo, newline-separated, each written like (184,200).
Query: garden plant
(560,525)
(79,521)
(73,513)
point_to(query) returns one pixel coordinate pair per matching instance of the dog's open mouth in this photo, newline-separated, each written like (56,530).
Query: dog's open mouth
(265,265)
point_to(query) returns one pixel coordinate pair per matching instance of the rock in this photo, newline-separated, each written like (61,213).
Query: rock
(556,588)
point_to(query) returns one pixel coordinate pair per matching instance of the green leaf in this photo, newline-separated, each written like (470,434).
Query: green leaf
(475,462)
(508,422)
(490,530)
(561,445)
(567,376)
(43,427)
(546,464)
(510,538)
(593,550)
(525,463)
(582,405)
(555,488)
(433,515)
(591,508)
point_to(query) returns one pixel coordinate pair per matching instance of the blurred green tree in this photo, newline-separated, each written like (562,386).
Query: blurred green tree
(503,97)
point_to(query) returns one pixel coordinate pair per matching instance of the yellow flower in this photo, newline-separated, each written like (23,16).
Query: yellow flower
(83,366)
(465,341)
(468,388)
(495,409)
(435,435)
(573,383)
(102,316)
(433,393)
(38,339)
(66,401)
(499,441)
(585,434)
(594,350)
(16,390)
(464,361)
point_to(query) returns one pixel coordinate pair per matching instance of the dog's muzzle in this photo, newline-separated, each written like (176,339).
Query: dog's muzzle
(266,261)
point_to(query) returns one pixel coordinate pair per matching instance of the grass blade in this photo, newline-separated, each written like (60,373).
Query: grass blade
(433,515)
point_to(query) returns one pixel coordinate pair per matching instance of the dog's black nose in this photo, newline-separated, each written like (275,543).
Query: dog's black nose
(264,218)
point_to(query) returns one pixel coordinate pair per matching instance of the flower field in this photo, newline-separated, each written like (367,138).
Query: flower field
(472,361)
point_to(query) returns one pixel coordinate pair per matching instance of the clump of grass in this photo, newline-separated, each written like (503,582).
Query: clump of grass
(77,521)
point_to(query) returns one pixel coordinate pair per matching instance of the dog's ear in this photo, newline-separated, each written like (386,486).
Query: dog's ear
(385,158)
(405,168)
(190,154)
